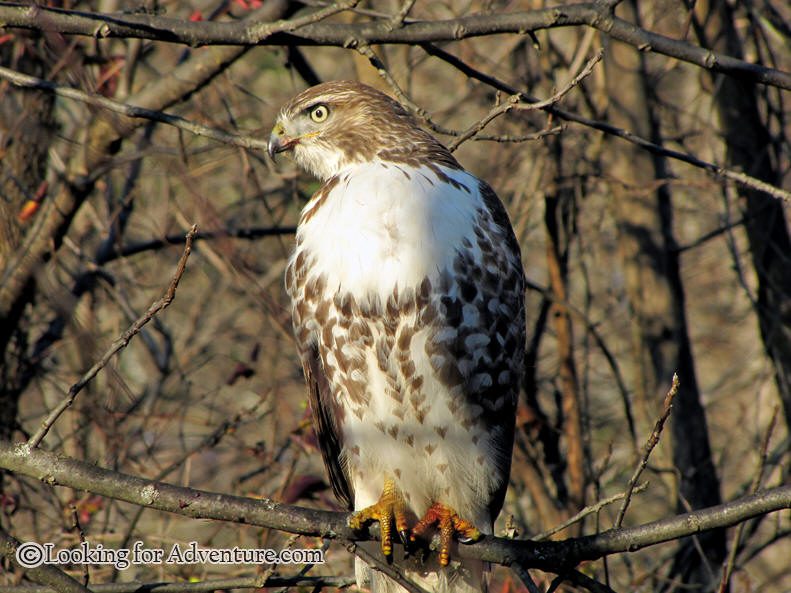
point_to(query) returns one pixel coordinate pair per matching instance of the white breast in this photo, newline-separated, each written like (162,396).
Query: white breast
(384,225)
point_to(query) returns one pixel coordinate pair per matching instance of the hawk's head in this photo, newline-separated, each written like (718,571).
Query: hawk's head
(336,124)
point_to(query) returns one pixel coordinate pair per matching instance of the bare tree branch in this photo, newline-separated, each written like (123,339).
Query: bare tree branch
(588,510)
(391,569)
(248,233)
(31,82)
(607,128)
(553,556)
(727,569)
(597,15)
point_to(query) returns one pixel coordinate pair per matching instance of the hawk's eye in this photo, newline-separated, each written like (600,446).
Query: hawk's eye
(319,113)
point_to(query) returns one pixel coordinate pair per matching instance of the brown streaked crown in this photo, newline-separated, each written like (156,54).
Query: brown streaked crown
(363,125)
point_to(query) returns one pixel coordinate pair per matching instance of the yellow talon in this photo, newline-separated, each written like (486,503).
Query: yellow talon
(449,523)
(388,510)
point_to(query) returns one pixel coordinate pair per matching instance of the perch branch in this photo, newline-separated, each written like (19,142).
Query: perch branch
(553,556)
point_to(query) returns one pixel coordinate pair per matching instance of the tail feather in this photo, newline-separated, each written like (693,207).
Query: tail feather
(462,576)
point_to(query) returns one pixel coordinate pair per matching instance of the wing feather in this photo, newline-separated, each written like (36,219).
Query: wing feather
(326,415)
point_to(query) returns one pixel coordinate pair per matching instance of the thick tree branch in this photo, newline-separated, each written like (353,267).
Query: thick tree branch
(551,556)
(596,15)
(45,574)
(248,233)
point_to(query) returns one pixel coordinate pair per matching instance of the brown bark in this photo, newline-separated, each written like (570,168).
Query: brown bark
(656,298)
(539,441)
(26,130)
(558,218)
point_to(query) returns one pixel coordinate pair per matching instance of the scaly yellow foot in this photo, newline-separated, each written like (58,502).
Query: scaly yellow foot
(390,508)
(449,523)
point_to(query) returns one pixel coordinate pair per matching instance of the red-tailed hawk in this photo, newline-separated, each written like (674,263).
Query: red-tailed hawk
(408,309)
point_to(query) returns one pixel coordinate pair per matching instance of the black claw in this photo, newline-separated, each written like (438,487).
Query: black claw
(404,535)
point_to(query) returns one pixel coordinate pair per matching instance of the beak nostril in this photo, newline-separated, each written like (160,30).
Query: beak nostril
(275,145)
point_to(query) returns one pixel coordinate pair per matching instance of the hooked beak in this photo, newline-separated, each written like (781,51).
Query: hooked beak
(279,141)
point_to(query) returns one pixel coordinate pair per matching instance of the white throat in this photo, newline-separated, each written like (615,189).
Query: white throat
(385,225)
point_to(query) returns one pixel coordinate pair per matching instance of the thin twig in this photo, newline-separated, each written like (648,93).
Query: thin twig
(525,577)
(652,442)
(258,32)
(712,234)
(398,18)
(31,82)
(588,510)
(75,518)
(591,327)
(582,580)
(727,570)
(248,233)
(515,102)
(399,93)
(553,131)
(118,345)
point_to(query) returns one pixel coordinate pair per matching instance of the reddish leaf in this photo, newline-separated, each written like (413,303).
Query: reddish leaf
(9,503)
(28,210)
(88,507)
